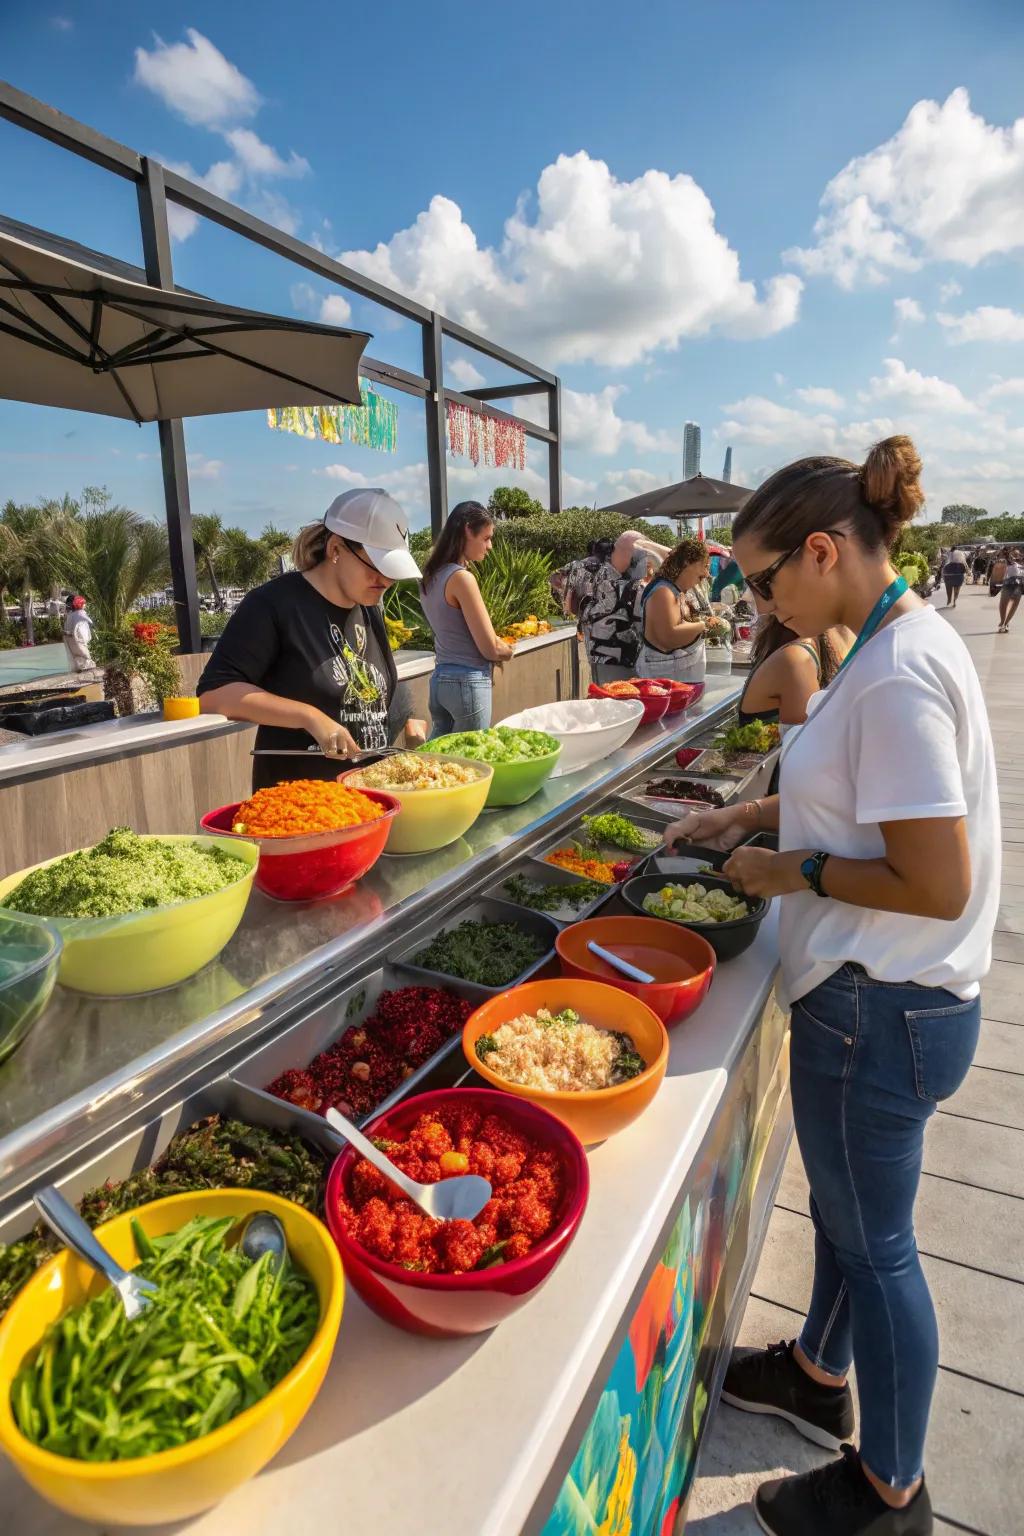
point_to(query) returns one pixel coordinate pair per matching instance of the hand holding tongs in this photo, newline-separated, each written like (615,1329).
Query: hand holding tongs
(347,757)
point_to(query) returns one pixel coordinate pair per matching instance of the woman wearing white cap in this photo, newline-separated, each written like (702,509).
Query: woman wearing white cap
(306,656)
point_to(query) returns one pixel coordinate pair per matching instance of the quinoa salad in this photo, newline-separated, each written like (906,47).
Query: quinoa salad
(559,1053)
(412,771)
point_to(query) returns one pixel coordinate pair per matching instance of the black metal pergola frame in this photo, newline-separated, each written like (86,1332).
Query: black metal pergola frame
(155,185)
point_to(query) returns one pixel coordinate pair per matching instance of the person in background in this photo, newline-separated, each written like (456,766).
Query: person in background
(675,616)
(466,648)
(786,672)
(306,656)
(889,876)
(979,566)
(997,570)
(604,591)
(729,575)
(77,635)
(954,570)
(1010,593)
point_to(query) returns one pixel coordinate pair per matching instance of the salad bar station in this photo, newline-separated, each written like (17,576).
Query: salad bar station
(430,1120)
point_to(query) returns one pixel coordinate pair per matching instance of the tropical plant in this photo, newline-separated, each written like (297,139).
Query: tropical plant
(207,542)
(513,584)
(513,501)
(277,541)
(32,542)
(244,562)
(133,653)
(961,512)
(113,556)
(567,535)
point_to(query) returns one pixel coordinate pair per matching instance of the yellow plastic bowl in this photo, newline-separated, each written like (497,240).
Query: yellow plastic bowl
(146,951)
(433,818)
(175,1484)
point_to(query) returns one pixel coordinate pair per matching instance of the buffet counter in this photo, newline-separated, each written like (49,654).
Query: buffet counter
(601,1384)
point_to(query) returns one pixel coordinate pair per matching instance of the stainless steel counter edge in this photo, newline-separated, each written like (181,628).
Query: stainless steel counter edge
(67,1129)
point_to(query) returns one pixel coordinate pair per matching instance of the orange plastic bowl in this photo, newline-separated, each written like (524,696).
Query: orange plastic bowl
(598,1113)
(683,962)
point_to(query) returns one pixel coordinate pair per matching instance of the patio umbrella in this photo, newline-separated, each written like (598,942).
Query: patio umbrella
(700,496)
(72,335)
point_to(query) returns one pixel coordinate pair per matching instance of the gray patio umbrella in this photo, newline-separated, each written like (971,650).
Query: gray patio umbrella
(700,496)
(74,336)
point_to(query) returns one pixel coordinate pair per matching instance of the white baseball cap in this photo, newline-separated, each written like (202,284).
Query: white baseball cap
(374,519)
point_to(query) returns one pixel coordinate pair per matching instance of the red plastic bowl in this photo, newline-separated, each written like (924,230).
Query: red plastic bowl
(686,960)
(681,696)
(449,1306)
(655,705)
(314,865)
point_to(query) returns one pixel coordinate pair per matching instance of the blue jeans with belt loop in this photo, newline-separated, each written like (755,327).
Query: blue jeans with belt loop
(869,1063)
(460,698)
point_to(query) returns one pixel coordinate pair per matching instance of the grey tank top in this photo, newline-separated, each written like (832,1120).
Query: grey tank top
(452,639)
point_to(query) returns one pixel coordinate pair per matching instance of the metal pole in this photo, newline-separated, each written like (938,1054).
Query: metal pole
(156,246)
(437,442)
(555,447)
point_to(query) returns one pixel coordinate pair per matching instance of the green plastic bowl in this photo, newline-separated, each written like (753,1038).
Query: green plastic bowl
(512,782)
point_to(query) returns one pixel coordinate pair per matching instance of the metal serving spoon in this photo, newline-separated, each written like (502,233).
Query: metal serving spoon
(618,964)
(458,1198)
(263,1233)
(135,1292)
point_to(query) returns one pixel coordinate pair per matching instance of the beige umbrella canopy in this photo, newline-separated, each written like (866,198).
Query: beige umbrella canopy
(84,339)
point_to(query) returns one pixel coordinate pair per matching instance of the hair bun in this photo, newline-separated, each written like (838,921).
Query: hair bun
(891,482)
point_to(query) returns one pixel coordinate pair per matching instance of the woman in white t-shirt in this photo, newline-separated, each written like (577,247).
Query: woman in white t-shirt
(889,871)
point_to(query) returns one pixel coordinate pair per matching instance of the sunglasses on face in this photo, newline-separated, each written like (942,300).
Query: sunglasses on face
(760,582)
(355,549)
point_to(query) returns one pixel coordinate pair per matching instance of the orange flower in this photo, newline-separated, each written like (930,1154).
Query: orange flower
(304,805)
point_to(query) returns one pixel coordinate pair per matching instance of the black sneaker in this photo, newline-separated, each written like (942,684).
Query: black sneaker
(837,1500)
(770,1381)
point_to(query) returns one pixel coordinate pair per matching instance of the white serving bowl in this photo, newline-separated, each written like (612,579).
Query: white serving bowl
(587,728)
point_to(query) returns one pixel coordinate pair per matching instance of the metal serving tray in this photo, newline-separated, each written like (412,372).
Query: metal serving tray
(574,833)
(689,864)
(485,909)
(142,1146)
(304,1039)
(547,874)
(727,788)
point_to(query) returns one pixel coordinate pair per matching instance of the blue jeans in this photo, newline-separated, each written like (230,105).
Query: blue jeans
(460,698)
(870,1060)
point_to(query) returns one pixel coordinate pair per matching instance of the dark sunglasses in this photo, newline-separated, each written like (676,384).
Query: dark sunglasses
(356,549)
(760,582)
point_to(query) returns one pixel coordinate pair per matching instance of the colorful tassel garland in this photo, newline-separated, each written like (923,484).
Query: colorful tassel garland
(477,435)
(374,424)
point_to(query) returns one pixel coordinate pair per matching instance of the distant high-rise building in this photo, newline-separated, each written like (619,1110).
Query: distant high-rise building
(727,467)
(691,450)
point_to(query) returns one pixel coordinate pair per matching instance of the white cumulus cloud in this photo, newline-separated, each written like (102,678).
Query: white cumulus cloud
(590,422)
(987,323)
(261,159)
(202,468)
(826,399)
(465,374)
(914,389)
(949,291)
(223,179)
(592,268)
(908,312)
(1004,387)
(948,186)
(196,81)
(335,309)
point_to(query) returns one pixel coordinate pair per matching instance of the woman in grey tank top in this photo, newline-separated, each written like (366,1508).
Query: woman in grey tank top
(465,644)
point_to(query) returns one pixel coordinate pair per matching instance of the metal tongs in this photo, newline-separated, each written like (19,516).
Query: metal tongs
(351,757)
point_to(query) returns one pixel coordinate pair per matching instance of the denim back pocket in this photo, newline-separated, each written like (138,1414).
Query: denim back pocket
(943,1041)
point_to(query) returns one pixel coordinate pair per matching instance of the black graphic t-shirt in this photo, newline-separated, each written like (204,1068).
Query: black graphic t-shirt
(287,638)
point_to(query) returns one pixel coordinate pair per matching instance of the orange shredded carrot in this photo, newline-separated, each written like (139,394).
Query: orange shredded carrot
(578,864)
(304,805)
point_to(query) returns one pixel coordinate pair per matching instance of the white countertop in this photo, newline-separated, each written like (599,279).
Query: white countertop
(469,1429)
(108,738)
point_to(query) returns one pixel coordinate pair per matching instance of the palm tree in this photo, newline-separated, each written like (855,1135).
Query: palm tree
(244,562)
(114,556)
(32,552)
(207,541)
(278,543)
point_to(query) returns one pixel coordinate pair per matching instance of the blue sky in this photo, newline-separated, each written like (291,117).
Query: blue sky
(800,225)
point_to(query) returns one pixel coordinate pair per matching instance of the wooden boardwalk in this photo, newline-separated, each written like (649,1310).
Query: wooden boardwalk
(970,1217)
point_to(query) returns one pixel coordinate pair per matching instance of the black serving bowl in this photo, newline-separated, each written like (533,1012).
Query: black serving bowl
(726,939)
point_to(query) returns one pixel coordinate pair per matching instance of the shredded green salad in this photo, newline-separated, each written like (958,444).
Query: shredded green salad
(220,1333)
(695,904)
(499,744)
(610,827)
(124,873)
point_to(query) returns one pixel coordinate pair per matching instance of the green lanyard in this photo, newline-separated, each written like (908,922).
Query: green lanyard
(892,594)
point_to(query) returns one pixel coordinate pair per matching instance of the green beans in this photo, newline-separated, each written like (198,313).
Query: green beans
(221,1332)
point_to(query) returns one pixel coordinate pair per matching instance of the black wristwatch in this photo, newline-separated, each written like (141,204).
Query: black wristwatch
(811,869)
